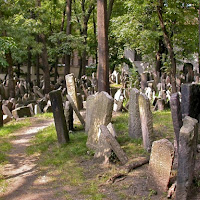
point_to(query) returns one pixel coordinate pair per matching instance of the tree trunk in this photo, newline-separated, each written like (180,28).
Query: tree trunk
(11,84)
(168,45)
(56,71)
(47,87)
(18,70)
(199,36)
(28,78)
(68,32)
(110,7)
(103,68)
(95,36)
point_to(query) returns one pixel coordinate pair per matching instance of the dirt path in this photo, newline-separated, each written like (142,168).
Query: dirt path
(22,172)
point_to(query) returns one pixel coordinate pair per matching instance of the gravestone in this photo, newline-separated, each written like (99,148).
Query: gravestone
(89,108)
(101,114)
(59,117)
(1,114)
(161,104)
(6,111)
(106,143)
(69,115)
(176,117)
(160,165)
(21,112)
(71,88)
(135,130)
(143,81)
(37,109)
(190,100)
(186,157)
(146,118)
(118,101)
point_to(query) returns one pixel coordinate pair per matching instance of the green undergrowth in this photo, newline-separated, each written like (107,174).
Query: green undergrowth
(5,136)
(44,115)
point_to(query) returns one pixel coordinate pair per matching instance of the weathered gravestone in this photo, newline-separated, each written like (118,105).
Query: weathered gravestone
(6,111)
(37,109)
(71,88)
(190,101)
(69,115)
(118,101)
(101,115)
(146,118)
(160,165)
(161,104)
(186,157)
(89,110)
(76,110)
(176,117)
(135,130)
(1,114)
(21,112)
(144,83)
(59,117)
(106,144)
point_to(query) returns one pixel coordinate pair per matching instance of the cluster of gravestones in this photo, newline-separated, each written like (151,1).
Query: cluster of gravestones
(28,102)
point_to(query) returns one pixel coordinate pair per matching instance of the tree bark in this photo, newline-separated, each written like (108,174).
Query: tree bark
(199,36)
(68,32)
(168,45)
(56,71)
(110,7)
(95,36)
(45,65)
(28,78)
(11,84)
(103,68)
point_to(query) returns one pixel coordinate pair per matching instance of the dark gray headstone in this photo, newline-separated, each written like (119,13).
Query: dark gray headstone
(190,101)
(176,116)
(186,157)
(21,112)
(135,130)
(59,117)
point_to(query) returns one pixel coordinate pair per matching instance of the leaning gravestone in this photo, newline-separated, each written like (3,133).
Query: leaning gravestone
(1,114)
(146,118)
(6,111)
(135,130)
(106,144)
(160,165)
(21,112)
(71,88)
(68,115)
(101,115)
(186,157)
(59,117)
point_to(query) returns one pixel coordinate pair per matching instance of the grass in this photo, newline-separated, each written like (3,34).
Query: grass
(5,136)
(63,162)
(44,115)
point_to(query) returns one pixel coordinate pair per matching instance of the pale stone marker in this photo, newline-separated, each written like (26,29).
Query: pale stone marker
(71,88)
(160,165)
(89,109)
(146,118)
(135,130)
(6,111)
(186,157)
(101,115)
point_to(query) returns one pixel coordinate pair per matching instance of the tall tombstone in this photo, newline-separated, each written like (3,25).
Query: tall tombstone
(160,165)
(146,118)
(1,114)
(71,88)
(59,117)
(101,114)
(186,157)
(135,130)
(89,110)
(176,116)
(143,81)
(190,101)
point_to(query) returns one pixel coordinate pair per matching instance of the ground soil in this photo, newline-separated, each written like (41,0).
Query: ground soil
(26,181)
